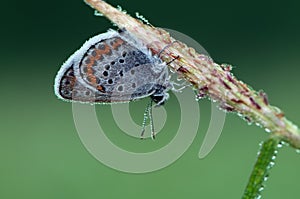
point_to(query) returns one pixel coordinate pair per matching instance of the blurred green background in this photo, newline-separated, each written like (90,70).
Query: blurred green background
(41,153)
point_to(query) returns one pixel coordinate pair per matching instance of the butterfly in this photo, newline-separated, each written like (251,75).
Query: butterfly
(113,67)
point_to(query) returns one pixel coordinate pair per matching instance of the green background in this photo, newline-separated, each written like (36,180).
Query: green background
(41,153)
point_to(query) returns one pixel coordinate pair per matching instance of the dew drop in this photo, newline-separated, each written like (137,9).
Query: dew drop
(141,17)
(261,188)
(267,130)
(258,197)
(272,163)
(257,124)
(98,14)
(120,9)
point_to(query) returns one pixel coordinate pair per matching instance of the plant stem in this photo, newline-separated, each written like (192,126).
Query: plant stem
(209,78)
(264,163)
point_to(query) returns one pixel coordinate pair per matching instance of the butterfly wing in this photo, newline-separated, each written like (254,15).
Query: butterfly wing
(108,68)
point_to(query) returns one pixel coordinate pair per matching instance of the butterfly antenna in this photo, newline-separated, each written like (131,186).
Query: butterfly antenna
(164,48)
(167,46)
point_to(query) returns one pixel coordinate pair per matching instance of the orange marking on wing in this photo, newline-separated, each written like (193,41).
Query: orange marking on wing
(105,51)
(73,80)
(89,72)
(118,42)
(93,59)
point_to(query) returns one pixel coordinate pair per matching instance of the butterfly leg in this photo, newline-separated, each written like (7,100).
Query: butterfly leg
(146,115)
(181,86)
(151,121)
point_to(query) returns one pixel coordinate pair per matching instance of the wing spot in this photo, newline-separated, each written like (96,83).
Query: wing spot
(87,61)
(101,46)
(120,88)
(67,82)
(70,73)
(84,69)
(105,73)
(110,81)
(94,53)
(107,67)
